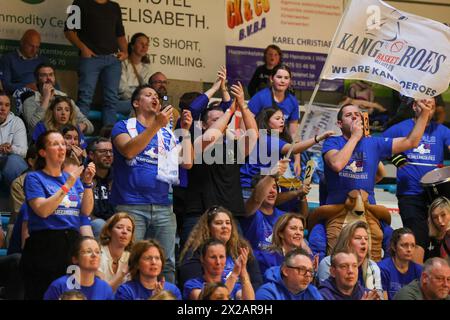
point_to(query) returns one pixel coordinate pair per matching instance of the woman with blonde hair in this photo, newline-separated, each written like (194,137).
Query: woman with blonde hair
(355,237)
(216,223)
(288,234)
(439,229)
(145,265)
(116,239)
(60,113)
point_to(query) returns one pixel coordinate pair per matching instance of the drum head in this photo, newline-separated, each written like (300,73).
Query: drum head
(436,176)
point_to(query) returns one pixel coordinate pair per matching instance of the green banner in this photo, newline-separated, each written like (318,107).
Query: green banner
(61,56)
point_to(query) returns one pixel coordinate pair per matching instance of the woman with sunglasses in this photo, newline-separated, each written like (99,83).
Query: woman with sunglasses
(145,264)
(439,229)
(213,261)
(86,259)
(56,201)
(216,223)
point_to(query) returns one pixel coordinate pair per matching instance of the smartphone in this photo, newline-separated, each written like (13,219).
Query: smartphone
(366,128)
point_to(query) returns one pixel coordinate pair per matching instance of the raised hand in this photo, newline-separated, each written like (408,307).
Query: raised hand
(163,117)
(89,173)
(186,119)
(238,93)
(325,135)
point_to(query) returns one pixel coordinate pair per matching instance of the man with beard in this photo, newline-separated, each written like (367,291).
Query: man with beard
(34,107)
(101,154)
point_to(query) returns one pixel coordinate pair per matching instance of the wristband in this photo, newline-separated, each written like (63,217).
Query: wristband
(88,185)
(315,139)
(64,188)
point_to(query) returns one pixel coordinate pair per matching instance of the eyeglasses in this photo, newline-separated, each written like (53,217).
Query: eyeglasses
(165,82)
(441,279)
(90,252)
(303,271)
(104,151)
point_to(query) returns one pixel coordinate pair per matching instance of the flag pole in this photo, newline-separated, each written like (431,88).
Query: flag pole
(316,88)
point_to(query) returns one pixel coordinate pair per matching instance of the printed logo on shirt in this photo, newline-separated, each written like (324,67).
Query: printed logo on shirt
(68,202)
(355,169)
(423,149)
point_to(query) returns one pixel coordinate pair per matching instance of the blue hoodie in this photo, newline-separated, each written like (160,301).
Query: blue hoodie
(275,289)
(329,291)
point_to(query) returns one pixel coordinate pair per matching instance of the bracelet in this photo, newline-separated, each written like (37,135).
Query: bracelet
(88,185)
(64,188)
(315,139)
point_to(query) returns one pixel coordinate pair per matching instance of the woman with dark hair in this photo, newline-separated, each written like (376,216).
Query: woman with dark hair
(56,201)
(439,229)
(260,79)
(116,239)
(399,270)
(213,260)
(216,223)
(76,148)
(277,95)
(145,264)
(135,70)
(276,137)
(86,256)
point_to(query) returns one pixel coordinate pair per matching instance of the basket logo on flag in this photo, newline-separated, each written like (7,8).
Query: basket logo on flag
(402,51)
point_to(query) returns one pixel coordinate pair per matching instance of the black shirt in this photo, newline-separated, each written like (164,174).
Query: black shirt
(102,190)
(101,25)
(216,184)
(260,80)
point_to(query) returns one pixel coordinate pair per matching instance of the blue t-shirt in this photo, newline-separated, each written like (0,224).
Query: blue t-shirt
(199,283)
(268,259)
(40,129)
(430,150)
(263,100)
(360,171)
(392,280)
(67,216)
(134,290)
(135,180)
(268,146)
(258,228)
(100,290)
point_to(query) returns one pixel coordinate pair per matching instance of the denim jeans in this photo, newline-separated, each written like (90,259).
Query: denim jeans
(123,107)
(156,222)
(97,225)
(11,166)
(108,69)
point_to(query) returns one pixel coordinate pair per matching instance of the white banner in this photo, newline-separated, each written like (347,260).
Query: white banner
(187,38)
(381,44)
(318,120)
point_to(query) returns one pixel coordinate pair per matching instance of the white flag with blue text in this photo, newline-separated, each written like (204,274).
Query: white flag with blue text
(378,43)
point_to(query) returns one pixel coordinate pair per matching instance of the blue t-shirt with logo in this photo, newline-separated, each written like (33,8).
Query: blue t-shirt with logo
(430,150)
(67,216)
(392,280)
(263,100)
(100,289)
(360,171)
(135,180)
(265,155)
(258,228)
(134,290)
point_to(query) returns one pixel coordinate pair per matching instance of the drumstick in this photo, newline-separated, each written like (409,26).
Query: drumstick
(439,165)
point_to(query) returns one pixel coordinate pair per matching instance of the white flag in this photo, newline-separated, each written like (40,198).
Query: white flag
(378,43)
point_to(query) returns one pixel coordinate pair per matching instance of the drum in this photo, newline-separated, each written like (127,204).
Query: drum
(437,183)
